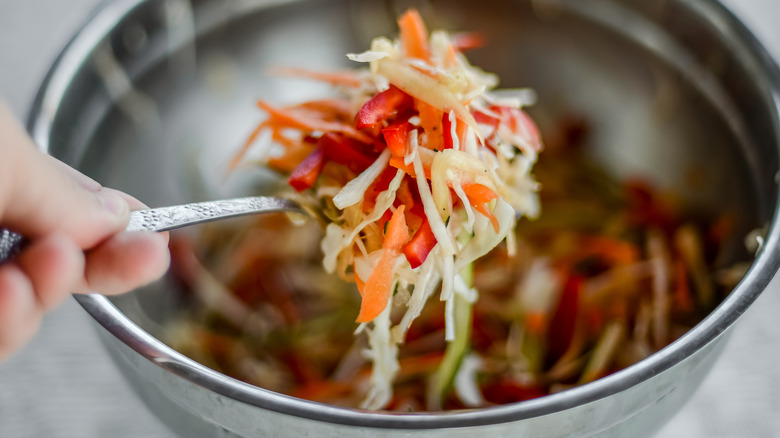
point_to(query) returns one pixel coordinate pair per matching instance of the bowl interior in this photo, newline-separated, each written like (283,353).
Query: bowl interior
(665,96)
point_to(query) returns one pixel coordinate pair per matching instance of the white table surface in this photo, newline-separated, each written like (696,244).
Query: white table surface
(63,384)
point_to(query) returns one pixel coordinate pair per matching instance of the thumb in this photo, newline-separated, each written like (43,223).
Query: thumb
(40,196)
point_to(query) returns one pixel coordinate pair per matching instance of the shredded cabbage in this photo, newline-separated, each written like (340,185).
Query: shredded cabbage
(354,191)
(412,88)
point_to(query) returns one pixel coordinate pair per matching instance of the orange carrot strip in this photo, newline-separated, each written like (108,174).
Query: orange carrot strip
(460,131)
(303,120)
(398,163)
(482,208)
(236,160)
(332,108)
(278,136)
(536,323)
(358,281)
(293,155)
(404,194)
(410,366)
(347,78)
(614,250)
(322,390)
(452,57)
(479,195)
(414,35)
(430,121)
(379,285)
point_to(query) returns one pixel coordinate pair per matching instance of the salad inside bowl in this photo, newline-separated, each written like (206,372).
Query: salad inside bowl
(659,160)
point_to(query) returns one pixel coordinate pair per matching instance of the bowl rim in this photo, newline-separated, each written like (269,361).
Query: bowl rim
(106,18)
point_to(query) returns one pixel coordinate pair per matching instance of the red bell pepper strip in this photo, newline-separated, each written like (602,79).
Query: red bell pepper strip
(530,128)
(509,391)
(468,40)
(517,120)
(381,107)
(305,175)
(396,137)
(417,250)
(446,131)
(380,184)
(564,320)
(346,151)
(486,119)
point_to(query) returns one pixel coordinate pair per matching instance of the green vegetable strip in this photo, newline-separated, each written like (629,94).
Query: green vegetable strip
(441,382)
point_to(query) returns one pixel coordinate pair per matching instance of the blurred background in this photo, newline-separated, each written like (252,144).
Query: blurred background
(63,384)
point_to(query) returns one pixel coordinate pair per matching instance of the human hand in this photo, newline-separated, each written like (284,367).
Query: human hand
(75,229)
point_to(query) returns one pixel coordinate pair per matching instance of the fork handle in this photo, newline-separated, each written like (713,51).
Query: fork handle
(177,216)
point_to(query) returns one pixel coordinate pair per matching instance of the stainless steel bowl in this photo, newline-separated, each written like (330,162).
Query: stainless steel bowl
(152,96)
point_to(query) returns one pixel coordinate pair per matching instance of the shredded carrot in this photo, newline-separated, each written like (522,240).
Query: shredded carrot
(452,56)
(302,119)
(398,163)
(614,250)
(460,131)
(322,390)
(430,121)
(347,78)
(379,285)
(293,155)
(236,160)
(358,281)
(409,366)
(535,323)
(485,211)
(479,195)
(335,109)
(404,194)
(278,136)
(414,35)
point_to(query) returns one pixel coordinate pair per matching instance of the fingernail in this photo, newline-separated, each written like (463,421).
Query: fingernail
(113,202)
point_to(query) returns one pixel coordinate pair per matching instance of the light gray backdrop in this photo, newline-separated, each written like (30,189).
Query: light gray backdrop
(64,385)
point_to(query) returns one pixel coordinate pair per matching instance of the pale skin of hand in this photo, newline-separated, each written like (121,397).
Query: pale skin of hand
(77,242)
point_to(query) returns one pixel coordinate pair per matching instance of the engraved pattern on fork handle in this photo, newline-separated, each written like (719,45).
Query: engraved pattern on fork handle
(169,218)
(10,244)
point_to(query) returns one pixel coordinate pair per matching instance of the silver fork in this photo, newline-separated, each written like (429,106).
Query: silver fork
(177,216)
